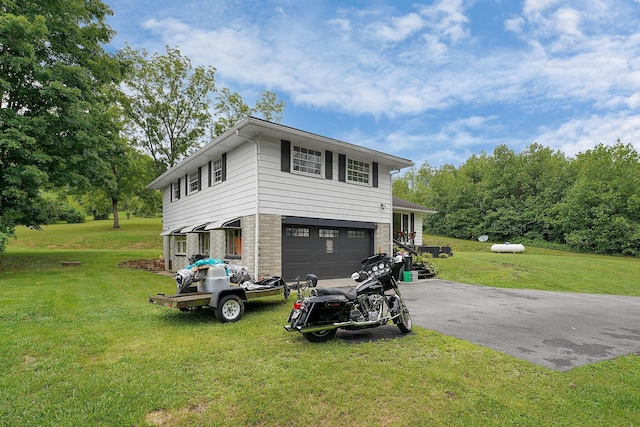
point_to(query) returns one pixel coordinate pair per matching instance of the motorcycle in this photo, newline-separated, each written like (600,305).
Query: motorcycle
(376,300)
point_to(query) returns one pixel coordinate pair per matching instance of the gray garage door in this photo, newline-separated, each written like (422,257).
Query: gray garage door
(325,250)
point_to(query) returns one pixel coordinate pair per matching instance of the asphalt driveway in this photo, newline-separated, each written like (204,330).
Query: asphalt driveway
(554,329)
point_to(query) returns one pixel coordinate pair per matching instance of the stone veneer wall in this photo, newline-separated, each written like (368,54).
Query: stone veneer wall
(270,246)
(216,244)
(382,239)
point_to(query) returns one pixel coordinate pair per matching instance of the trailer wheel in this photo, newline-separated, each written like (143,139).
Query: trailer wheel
(230,309)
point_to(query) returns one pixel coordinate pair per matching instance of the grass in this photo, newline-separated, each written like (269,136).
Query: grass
(82,346)
(537,268)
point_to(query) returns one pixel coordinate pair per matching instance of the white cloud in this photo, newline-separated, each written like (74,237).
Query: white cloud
(532,7)
(447,19)
(579,135)
(399,28)
(572,57)
(330,71)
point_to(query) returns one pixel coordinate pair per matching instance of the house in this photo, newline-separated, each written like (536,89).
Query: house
(282,201)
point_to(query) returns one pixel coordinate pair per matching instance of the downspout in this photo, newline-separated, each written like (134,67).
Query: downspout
(257,225)
(391,173)
(257,202)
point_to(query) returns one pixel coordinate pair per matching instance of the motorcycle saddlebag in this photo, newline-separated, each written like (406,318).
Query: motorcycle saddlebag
(329,308)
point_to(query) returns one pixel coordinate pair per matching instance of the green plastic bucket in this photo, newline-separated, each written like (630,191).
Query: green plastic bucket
(406,276)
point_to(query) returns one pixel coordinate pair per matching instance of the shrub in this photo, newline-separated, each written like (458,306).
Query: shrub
(72,216)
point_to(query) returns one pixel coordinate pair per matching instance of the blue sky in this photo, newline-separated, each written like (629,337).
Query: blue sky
(431,81)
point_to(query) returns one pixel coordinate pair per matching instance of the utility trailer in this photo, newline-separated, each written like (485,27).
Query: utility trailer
(227,303)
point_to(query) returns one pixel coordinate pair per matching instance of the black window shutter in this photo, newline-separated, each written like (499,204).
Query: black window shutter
(210,173)
(342,168)
(413,222)
(285,156)
(186,185)
(178,198)
(171,191)
(199,179)
(224,166)
(374,178)
(328,164)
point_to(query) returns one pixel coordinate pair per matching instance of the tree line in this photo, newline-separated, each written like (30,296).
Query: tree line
(83,130)
(590,202)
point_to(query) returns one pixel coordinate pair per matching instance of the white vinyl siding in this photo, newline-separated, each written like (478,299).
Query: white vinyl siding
(232,198)
(275,192)
(296,194)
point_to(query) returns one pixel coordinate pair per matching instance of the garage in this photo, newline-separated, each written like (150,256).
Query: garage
(326,248)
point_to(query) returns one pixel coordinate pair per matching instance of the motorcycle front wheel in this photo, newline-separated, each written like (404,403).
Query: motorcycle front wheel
(403,322)
(320,336)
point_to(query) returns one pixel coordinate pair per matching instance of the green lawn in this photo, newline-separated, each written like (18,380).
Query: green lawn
(82,346)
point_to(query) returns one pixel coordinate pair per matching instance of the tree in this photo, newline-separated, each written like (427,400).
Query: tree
(169,105)
(52,66)
(124,176)
(601,210)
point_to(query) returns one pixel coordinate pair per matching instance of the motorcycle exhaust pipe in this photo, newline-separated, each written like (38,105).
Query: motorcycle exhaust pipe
(350,323)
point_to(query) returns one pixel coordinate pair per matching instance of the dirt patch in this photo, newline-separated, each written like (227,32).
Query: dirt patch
(144,264)
(28,360)
(165,418)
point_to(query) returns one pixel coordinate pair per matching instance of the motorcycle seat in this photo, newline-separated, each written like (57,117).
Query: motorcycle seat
(349,293)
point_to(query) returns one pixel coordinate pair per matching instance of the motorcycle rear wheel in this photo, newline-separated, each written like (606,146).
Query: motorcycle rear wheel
(320,336)
(403,322)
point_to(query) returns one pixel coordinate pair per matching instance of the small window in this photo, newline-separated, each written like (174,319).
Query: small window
(296,232)
(357,234)
(331,234)
(307,161)
(217,170)
(176,190)
(234,242)
(203,243)
(194,182)
(357,171)
(181,244)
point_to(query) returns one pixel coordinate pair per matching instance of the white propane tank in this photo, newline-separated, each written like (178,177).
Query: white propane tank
(216,280)
(508,247)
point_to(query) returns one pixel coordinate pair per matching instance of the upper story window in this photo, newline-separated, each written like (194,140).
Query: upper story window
(307,161)
(358,171)
(216,170)
(194,182)
(176,190)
